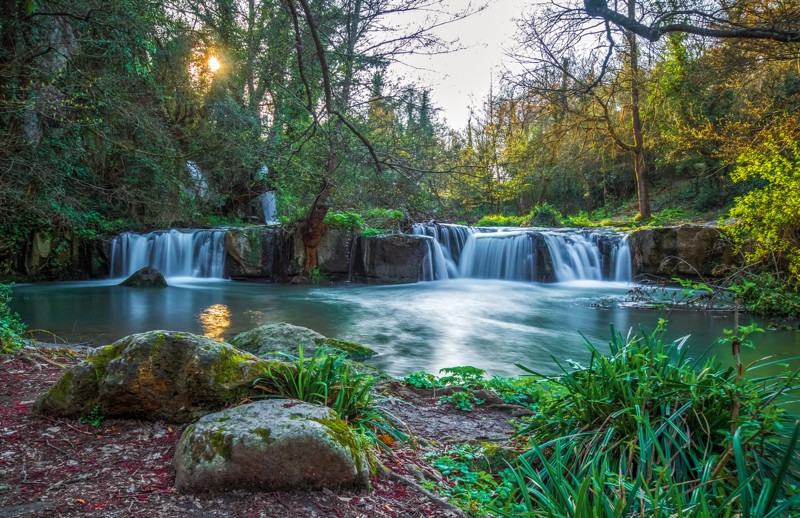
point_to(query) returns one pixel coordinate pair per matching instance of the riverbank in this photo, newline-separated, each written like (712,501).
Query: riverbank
(123,467)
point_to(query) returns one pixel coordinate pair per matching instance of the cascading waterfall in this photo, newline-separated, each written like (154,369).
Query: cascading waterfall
(175,253)
(522,254)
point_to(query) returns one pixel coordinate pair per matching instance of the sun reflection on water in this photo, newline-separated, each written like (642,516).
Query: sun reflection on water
(216,318)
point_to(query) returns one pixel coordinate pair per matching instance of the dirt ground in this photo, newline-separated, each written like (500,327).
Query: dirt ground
(61,467)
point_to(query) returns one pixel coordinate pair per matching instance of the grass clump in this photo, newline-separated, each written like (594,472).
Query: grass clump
(329,378)
(11,326)
(646,431)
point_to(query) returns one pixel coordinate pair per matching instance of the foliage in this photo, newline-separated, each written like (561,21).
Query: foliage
(351,220)
(498,220)
(767,294)
(12,328)
(317,277)
(328,378)
(645,420)
(545,215)
(384,219)
(369,231)
(464,485)
(93,418)
(764,215)
(466,380)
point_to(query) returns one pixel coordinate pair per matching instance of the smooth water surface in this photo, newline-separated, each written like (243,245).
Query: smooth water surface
(426,326)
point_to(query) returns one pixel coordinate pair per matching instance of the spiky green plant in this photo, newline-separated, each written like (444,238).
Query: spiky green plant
(645,431)
(329,378)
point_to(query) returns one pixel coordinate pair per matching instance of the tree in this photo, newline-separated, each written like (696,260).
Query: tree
(365,40)
(748,19)
(575,67)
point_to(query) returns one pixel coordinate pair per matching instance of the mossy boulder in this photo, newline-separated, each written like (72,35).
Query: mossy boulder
(269,445)
(146,277)
(156,375)
(282,339)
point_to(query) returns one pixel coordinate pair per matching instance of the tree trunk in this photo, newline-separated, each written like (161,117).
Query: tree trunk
(638,149)
(315,224)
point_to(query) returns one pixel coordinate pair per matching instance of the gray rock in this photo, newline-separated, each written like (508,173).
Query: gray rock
(286,339)
(269,445)
(686,250)
(280,337)
(394,258)
(146,277)
(256,252)
(156,375)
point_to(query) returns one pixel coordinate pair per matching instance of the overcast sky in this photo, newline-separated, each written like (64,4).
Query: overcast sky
(461,79)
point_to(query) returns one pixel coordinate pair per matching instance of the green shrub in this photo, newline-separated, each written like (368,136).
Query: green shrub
(768,294)
(544,215)
(384,219)
(11,326)
(345,220)
(498,220)
(645,431)
(767,216)
(370,231)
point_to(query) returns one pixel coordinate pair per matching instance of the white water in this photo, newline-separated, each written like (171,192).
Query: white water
(175,253)
(269,209)
(513,254)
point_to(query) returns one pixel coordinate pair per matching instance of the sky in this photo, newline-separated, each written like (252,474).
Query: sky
(461,79)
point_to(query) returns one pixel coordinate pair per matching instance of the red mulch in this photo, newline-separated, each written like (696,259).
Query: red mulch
(61,467)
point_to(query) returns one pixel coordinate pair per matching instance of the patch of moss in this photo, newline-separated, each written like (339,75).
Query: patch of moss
(227,368)
(344,436)
(57,394)
(355,351)
(264,433)
(207,446)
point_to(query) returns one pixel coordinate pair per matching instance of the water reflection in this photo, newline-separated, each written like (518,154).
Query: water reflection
(216,319)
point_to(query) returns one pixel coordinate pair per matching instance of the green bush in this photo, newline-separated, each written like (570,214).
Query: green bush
(768,294)
(645,431)
(498,220)
(768,222)
(384,219)
(544,215)
(345,220)
(11,326)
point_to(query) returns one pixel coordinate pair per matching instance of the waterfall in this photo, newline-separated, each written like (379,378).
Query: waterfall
(435,266)
(527,254)
(623,261)
(269,209)
(499,255)
(175,253)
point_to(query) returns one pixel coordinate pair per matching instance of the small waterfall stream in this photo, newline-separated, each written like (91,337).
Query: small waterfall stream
(526,254)
(175,253)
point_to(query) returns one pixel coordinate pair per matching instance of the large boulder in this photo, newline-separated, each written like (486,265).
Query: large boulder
(156,375)
(686,250)
(390,259)
(269,445)
(146,277)
(286,339)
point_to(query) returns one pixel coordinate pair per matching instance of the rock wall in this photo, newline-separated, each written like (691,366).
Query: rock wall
(253,253)
(53,255)
(686,251)
(258,252)
(388,259)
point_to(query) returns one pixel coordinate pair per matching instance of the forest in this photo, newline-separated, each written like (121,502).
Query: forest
(616,130)
(143,115)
